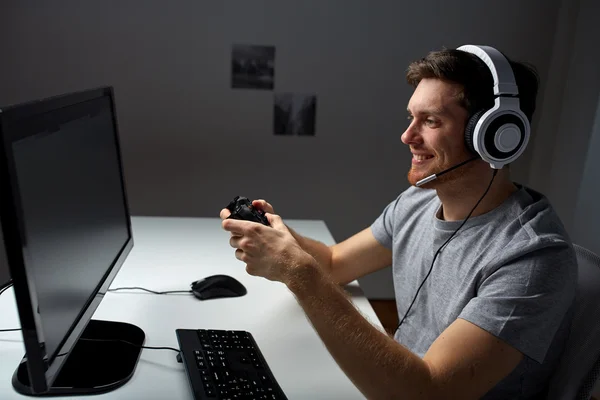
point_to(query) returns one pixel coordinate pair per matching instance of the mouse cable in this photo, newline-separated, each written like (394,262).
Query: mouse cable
(442,246)
(148,290)
(110,290)
(9,284)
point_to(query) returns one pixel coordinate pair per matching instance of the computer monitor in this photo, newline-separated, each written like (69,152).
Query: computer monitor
(67,231)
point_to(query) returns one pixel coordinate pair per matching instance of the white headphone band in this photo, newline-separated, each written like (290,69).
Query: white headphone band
(504,79)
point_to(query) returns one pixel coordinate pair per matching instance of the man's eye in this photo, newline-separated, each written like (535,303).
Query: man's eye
(430,121)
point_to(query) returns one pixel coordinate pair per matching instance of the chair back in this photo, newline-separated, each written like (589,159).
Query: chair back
(579,366)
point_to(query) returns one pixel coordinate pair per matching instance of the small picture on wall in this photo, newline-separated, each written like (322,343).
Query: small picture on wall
(294,114)
(252,67)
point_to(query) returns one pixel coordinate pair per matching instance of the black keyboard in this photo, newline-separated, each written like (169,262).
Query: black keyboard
(226,365)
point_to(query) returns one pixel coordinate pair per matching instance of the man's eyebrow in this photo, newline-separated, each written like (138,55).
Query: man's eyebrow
(431,111)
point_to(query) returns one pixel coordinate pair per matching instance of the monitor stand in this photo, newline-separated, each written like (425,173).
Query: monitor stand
(93,366)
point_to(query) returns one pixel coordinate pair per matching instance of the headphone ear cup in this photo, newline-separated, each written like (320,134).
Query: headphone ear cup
(470,130)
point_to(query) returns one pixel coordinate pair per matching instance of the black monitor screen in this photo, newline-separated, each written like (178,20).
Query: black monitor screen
(73,211)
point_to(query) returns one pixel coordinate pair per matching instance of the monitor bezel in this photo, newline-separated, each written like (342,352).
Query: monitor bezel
(43,368)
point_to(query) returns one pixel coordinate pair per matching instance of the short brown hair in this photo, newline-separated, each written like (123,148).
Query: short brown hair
(475,77)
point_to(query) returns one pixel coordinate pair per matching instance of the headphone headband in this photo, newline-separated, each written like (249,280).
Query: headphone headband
(504,79)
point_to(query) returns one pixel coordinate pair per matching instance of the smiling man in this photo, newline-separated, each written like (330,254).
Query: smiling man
(483,269)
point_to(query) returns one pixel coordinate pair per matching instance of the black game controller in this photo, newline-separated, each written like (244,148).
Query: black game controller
(242,208)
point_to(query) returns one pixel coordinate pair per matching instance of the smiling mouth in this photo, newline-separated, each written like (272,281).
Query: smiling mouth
(421,157)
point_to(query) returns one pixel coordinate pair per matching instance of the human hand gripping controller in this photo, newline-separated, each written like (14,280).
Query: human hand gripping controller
(242,208)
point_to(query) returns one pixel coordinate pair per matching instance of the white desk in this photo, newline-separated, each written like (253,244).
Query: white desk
(170,253)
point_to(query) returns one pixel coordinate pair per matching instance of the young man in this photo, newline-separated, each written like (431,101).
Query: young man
(485,316)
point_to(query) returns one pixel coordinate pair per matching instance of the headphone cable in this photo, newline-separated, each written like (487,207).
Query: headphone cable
(442,246)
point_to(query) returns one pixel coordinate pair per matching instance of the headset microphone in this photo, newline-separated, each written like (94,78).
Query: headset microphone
(435,176)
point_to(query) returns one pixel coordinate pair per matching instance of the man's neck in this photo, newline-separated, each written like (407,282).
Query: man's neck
(459,198)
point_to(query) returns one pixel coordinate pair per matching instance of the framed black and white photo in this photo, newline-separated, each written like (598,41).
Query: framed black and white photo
(252,67)
(294,114)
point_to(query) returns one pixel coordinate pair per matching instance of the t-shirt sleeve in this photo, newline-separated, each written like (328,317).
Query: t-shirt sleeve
(383,227)
(524,301)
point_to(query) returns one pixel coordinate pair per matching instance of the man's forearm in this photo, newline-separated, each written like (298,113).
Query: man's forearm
(320,251)
(379,367)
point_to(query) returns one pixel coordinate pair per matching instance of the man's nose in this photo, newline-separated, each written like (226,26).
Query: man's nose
(410,135)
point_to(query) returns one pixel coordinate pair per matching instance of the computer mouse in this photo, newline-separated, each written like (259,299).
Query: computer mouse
(217,286)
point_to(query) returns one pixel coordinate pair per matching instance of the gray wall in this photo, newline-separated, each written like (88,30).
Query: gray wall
(569,111)
(191,143)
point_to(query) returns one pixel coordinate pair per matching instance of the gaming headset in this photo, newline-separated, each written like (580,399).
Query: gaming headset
(500,134)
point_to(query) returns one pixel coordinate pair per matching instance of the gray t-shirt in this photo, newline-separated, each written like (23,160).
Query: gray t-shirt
(511,271)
